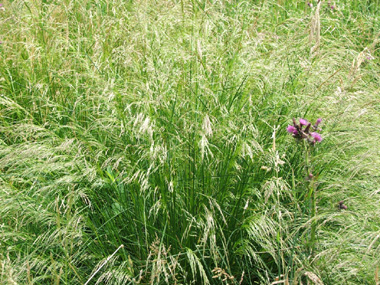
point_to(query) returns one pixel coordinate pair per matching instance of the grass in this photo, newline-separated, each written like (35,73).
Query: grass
(145,142)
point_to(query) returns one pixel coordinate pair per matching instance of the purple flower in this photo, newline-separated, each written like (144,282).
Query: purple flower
(303,122)
(319,120)
(300,133)
(1,5)
(310,4)
(292,130)
(317,137)
(342,206)
(310,177)
(332,7)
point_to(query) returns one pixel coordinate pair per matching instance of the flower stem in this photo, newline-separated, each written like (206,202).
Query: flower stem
(313,214)
(311,197)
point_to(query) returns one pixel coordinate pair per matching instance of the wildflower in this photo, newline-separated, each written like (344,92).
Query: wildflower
(310,4)
(303,122)
(292,130)
(309,177)
(298,132)
(317,137)
(342,206)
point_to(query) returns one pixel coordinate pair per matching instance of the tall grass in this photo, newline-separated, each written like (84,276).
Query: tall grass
(145,142)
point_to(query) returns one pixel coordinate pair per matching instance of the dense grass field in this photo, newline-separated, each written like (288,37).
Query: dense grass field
(148,142)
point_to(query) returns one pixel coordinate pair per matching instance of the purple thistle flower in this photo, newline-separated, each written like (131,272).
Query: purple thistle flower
(315,127)
(332,7)
(292,130)
(317,137)
(303,122)
(299,133)
(342,206)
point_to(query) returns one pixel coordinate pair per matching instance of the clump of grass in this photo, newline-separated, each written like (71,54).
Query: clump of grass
(162,128)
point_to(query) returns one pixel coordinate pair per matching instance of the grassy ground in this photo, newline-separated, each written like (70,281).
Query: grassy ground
(145,142)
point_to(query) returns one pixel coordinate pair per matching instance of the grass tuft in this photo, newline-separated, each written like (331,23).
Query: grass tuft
(162,127)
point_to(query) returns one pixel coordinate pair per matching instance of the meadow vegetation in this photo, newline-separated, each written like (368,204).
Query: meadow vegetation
(145,142)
